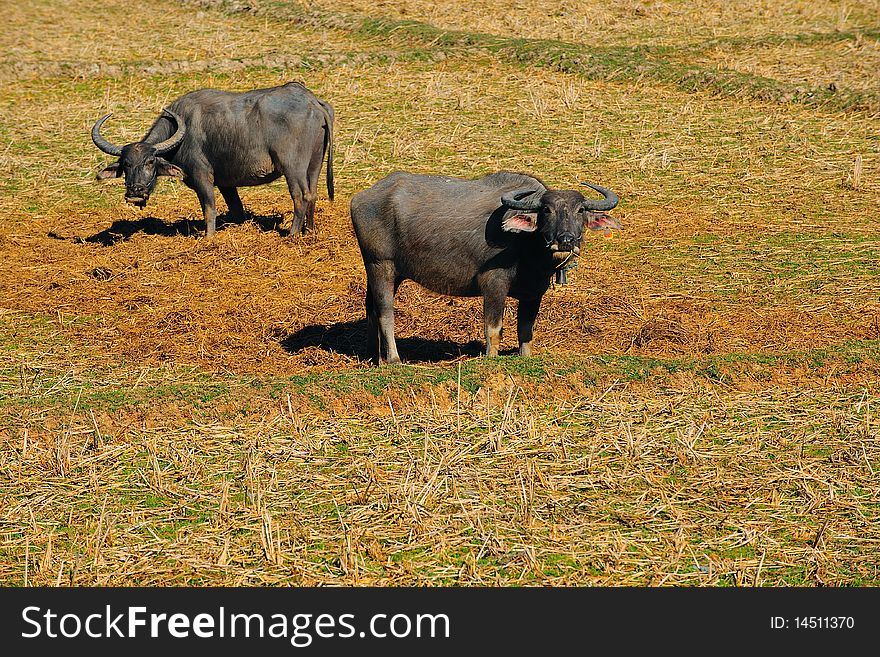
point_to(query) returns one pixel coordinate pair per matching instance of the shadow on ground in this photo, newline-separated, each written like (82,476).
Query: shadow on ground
(124,229)
(349,338)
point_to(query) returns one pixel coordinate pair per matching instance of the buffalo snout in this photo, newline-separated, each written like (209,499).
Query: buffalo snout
(137,197)
(567,242)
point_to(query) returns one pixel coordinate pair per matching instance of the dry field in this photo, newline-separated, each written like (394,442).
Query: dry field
(703,409)
(625,22)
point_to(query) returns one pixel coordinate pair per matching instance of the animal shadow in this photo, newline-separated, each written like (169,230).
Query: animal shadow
(349,338)
(122,230)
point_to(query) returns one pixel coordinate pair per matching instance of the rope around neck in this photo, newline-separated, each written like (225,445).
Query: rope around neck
(571,255)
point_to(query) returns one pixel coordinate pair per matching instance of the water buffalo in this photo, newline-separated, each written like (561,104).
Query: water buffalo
(226,139)
(498,236)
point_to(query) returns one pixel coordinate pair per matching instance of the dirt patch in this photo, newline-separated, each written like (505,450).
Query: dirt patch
(149,290)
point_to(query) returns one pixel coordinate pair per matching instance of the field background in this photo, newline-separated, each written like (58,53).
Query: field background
(703,409)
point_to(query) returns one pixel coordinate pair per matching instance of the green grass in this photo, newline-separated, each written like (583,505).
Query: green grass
(616,466)
(598,63)
(97,389)
(769,268)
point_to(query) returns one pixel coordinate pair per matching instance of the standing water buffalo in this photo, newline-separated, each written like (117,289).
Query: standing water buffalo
(501,235)
(225,139)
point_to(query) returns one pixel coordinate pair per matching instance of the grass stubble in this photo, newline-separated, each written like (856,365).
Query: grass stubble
(703,411)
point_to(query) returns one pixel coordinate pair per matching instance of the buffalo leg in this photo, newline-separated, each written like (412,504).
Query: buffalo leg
(374,349)
(299,195)
(233,202)
(313,173)
(310,202)
(381,280)
(493,318)
(205,192)
(299,211)
(525,322)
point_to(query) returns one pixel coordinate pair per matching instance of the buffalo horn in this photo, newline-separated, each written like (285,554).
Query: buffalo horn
(606,203)
(100,142)
(523,199)
(175,139)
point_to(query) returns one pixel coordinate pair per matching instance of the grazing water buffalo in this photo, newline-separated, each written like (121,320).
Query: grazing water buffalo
(501,235)
(225,139)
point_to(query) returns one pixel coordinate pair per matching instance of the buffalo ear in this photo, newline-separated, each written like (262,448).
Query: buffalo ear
(523,222)
(165,168)
(111,171)
(602,221)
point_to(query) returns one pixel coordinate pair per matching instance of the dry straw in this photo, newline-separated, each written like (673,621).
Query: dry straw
(180,411)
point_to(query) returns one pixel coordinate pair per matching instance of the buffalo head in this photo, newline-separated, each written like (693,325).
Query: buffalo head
(560,216)
(140,162)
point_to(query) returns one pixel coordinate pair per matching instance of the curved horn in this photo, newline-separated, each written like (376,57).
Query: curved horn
(100,142)
(175,139)
(523,199)
(606,203)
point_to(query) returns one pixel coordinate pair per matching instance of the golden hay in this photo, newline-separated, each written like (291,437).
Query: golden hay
(180,411)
